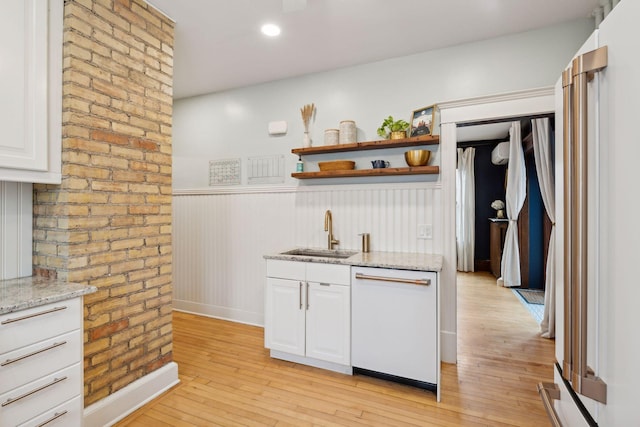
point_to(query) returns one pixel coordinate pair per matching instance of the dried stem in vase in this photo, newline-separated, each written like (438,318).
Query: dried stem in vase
(307,113)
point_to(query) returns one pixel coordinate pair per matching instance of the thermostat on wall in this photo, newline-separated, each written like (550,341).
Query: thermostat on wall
(277,128)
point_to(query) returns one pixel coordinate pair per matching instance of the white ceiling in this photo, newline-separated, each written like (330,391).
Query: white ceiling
(218,44)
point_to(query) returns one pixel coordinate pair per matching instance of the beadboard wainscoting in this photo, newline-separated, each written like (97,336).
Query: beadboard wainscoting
(16,225)
(218,243)
(220,236)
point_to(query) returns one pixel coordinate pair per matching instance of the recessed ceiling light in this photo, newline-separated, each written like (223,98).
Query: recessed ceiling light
(270,30)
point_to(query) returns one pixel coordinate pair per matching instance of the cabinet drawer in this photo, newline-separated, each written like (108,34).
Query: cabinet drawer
(32,362)
(69,414)
(329,273)
(30,326)
(286,269)
(25,402)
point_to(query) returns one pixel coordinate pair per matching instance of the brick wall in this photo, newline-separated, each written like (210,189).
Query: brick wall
(109,223)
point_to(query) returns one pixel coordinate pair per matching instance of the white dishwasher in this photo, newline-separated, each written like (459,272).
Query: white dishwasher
(394,325)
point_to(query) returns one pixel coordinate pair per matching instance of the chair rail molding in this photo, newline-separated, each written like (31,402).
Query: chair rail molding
(300,188)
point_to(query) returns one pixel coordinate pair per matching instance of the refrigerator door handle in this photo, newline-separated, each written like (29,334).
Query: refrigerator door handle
(567,93)
(549,392)
(576,259)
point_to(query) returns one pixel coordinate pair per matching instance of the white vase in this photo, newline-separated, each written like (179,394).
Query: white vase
(306,140)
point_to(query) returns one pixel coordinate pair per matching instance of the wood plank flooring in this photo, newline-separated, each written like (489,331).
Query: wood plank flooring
(228,379)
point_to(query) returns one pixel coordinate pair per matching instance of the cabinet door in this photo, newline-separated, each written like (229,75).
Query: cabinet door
(285,315)
(328,323)
(31,87)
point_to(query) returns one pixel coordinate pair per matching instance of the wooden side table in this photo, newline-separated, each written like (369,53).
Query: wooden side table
(497,231)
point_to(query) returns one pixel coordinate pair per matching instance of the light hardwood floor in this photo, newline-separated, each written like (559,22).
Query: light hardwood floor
(228,379)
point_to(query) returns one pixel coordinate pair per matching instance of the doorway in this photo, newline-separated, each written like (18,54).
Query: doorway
(479,110)
(487,181)
(486,142)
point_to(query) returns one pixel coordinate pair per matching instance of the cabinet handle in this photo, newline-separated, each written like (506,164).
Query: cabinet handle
(307,295)
(422,282)
(52,346)
(55,417)
(325,284)
(17,319)
(29,393)
(300,295)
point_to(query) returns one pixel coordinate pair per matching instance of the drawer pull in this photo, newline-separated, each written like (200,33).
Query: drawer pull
(422,282)
(51,347)
(55,417)
(17,319)
(27,394)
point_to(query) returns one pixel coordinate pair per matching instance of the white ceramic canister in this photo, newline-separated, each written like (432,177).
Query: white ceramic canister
(331,136)
(348,132)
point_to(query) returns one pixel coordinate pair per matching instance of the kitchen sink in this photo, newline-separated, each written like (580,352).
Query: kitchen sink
(321,253)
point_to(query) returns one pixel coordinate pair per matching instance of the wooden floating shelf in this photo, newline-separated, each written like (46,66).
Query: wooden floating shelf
(370,145)
(420,170)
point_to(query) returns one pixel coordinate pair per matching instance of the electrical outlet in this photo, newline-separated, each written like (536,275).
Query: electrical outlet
(425,231)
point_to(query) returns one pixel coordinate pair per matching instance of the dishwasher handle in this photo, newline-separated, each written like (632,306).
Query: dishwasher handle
(421,282)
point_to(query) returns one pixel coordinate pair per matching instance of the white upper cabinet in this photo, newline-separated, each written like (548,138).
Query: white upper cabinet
(31,90)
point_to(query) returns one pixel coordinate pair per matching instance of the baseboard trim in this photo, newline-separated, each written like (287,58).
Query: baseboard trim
(219,312)
(118,405)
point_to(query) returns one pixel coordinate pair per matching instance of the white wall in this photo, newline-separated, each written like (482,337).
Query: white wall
(234,124)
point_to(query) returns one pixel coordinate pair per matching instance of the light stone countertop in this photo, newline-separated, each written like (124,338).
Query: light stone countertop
(27,292)
(397,260)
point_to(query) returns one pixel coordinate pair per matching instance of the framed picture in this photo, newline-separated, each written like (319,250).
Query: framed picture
(422,121)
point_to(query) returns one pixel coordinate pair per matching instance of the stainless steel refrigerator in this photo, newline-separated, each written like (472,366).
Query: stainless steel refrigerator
(597,163)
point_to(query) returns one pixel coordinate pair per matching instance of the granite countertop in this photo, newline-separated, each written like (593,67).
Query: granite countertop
(398,260)
(28,292)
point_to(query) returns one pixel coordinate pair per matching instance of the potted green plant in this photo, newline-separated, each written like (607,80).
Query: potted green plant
(393,129)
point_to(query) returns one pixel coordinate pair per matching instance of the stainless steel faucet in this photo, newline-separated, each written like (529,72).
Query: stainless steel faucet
(328,226)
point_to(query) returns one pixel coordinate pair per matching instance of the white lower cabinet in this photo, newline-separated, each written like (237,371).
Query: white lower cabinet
(328,322)
(41,365)
(308,310)
(285,316)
